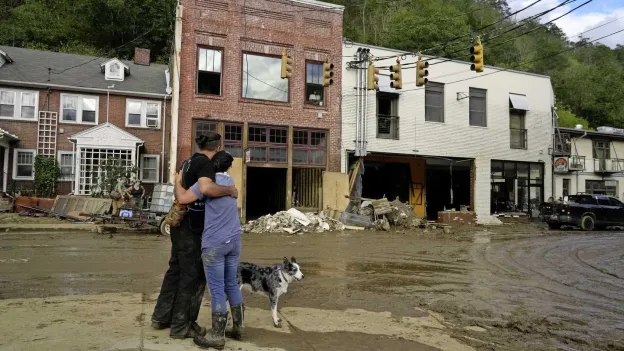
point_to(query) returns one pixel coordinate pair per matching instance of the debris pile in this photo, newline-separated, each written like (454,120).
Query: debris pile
(293,221)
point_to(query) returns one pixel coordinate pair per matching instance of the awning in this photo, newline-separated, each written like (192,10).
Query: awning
(519,102)
(4,133)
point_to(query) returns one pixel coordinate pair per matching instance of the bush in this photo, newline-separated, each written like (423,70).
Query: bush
(47,173)
(108,173)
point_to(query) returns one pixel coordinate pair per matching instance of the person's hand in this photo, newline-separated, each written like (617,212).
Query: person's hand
(178,178)
(233,192)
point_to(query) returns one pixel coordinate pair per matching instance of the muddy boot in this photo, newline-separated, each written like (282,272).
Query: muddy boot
(160,326)
(199,329)
(238,317)
(216,339)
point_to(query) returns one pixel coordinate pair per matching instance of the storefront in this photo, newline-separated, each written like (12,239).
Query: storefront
(517,187)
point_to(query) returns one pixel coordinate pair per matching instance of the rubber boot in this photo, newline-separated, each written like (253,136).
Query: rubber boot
(238,317)
(216,339)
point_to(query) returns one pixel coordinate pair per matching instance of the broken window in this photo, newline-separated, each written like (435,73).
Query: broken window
(309,147)
(268,144)
(209,71)
(314,93)
(434,102)
(387,116)
(477,107)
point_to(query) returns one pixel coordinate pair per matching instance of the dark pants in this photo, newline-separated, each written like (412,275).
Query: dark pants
(184,283)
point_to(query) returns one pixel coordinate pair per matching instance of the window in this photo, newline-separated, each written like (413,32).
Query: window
(566,187)
(315,92)
(233,140)
(209,64)
(90,166)
(149,168)
(201,128)
(144,114)
(18,104)
(599,187)
(268,144)
(309,147)
(602,149)
(79,109)
(261,78)
(518,133)
(387,116)
(434,102)
(24,164)
(615,202)
(65,161)
(477,107)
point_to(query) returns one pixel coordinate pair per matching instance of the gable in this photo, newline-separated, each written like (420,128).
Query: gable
(115,70)
(106,135)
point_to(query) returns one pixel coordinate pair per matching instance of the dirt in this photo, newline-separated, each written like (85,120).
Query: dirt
(505,288)
(15,218)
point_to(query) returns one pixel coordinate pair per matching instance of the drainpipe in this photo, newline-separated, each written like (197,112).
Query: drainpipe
(162,146)
(357,106)
(577,173)
(108,99)
(175,99)
(365,114)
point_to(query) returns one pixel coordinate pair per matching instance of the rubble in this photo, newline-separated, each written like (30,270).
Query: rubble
(292,222)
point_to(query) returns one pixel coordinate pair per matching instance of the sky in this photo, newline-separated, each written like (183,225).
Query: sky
(591,15)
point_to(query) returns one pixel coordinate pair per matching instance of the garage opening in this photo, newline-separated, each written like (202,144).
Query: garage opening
(266,191)
(440,180)
(307,187)
(384,179)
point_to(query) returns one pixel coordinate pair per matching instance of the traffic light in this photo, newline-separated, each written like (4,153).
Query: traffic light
(328,73)
(395,76)
(476,57)
(373,80)
(286,65)
(421,72)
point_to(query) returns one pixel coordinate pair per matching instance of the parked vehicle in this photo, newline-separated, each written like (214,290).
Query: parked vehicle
(588,212)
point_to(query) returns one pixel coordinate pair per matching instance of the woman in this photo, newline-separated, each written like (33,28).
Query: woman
(221,248)
(136,192)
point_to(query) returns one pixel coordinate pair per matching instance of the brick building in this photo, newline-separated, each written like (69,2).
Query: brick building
(286,131)
(81,110)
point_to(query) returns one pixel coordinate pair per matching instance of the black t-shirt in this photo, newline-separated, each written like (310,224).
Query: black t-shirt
(200,166)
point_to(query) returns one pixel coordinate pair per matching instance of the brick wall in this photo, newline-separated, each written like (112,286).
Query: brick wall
(270,26)
(27,130)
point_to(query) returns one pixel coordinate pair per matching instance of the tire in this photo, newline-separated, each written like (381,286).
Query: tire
(554,226)
(165,229)
(588,222)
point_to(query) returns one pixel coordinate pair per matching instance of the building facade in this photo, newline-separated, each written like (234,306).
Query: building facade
(82,110)
(588,162)
(286,131)
(465,140)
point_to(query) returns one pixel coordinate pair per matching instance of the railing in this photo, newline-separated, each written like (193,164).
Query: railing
(518,138)
(387,127)
(608,165)
(577,163)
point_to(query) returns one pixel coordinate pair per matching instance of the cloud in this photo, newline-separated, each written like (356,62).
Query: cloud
(580,20)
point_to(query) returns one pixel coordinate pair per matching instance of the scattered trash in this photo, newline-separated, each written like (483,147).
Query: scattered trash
(293,221)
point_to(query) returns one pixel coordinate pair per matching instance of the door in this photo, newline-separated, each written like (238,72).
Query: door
(605,212)
(617,212)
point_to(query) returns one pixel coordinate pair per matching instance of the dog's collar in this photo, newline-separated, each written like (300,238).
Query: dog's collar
(279,269)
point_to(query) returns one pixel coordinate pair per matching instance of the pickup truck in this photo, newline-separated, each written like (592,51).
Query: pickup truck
(588,212)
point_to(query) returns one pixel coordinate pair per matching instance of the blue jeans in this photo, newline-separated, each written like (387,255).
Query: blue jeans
(221,267)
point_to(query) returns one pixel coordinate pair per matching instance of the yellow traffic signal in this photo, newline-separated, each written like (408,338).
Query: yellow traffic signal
(373,79)
(286,65)
(476,57)
(328,73)
(395,76)
(421,72)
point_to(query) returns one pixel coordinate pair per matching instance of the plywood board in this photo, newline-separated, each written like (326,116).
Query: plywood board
(237,173)
(335,187)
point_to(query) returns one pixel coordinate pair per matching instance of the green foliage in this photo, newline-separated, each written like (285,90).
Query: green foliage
(567,119)
(107,176)
(47,173)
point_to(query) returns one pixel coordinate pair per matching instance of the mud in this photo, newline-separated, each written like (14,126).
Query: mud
(504,288)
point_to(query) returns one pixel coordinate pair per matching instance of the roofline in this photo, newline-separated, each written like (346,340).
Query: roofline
(449,60)
(84,89)
(73,137)
(320,4)
(591,132)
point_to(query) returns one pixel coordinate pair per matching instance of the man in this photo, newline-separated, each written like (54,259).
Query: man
(184,283)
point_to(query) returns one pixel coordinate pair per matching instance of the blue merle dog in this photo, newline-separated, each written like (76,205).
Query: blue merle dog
(270,281)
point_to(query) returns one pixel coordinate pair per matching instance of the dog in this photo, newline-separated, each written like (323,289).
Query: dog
(270,281)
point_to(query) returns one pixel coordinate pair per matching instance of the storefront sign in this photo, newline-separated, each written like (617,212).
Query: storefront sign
(561,164)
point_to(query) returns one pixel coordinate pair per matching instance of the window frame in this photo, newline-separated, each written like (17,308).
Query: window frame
(309,148)
(522,131)
(394,107)
(79,109)
(194,146)
(305,92)
(144,118)
(213,48)
(267,144)
(141,168)
(476,92)
(435,87)
(34,155)
(17,105)
(242,70)
(231,142)
(73,165)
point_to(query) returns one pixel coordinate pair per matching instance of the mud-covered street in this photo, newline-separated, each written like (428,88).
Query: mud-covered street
(502,288)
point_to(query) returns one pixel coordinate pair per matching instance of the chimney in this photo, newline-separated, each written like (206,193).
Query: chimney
(141,56)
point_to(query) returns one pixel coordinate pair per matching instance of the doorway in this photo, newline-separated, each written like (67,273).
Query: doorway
(439,183)
(389,180)
(266,191)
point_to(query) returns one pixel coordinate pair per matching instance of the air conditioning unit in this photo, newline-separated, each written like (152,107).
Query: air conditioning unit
(152,123)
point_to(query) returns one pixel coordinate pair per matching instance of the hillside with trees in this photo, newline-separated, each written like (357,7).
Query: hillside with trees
(588,77)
